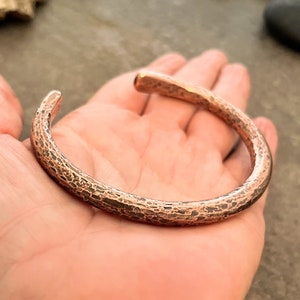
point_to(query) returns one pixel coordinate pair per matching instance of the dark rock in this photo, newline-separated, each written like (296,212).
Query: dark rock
(282,18)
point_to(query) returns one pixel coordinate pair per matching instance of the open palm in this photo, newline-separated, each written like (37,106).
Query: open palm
(54,246)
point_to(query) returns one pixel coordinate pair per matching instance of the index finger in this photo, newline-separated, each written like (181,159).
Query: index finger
(121,92)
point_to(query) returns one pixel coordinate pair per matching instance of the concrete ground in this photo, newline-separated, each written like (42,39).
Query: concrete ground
(76,47)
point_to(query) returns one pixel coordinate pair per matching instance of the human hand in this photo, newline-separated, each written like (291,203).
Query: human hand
(55,246)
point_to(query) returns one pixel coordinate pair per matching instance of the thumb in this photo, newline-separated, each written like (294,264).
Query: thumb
(11,113)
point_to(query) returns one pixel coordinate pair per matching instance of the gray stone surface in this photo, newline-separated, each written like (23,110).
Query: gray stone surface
(76,46)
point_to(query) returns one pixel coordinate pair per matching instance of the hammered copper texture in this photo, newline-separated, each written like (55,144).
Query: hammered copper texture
(146,210)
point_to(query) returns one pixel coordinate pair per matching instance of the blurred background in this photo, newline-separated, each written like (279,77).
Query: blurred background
(76,46)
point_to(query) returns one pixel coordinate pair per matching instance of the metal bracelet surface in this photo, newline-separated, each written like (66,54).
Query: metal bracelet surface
(146,210)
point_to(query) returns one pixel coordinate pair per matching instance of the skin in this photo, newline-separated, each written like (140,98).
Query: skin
(53,246)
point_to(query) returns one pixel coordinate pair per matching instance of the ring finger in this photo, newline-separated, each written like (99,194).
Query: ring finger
(202,70)
(234,86)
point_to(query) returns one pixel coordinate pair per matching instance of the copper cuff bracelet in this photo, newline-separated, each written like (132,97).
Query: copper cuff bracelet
(148,210)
